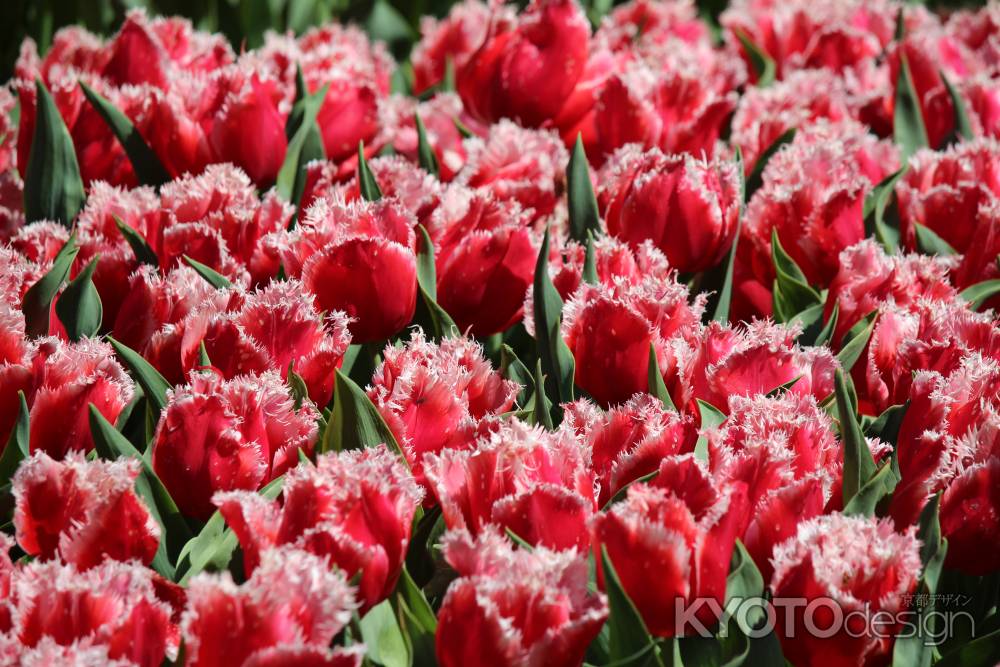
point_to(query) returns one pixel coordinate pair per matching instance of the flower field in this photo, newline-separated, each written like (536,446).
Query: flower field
(531,335)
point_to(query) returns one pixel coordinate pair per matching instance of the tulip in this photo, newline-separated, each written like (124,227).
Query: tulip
(83,511)
(859,565)
(454,38)
(250,109)
(438,115)
(524,479)
(687,207)
(355,508)
(217,435)
(647,22)
(261,623)
(110,611)
(416,190)
(513,607)
(681,525)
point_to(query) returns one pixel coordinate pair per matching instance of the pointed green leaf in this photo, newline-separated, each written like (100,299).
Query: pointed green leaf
(370,190)
(792,292)
(756,178)
(298,388)
(384,642)
(762,64)
(583,215)
(145,163)
(872,492)
(979,293)
(79,306)
(154,386)
(721,311)
(855,341)
(711,417)
(655,381)
(929,243)
(519,541)
(744,579)
(908,126)
(628,635)
(17,448)
(203,359)
(38,299)
(589,275)
(53,189)
(781,389)
(512,368)
(355,422)
(885,427)
(558,365)
(622,493)
(859,466)
(825,335)
(879,202)
(541,413)
(426,271)
(416,601)
(305,143)
(429,314)
(963,126)
(425,154)
(214,278)
(143,253)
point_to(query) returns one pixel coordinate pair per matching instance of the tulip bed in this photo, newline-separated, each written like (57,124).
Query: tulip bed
(576,335)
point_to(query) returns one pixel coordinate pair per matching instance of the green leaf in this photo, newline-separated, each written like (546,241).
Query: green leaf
(756,178)
(622,493)
(879,202)
(711,417)
(154,386)
(584,218)
(908,127)
(143,253)
(370,190)
(518,541)
(305,143)
(929,243)
(979,293)
(855,341)
(558,364)
(416,619)
(425,154)
(886,426)
(859,466)
(297,387)
(53,189)
(355,422)
(825,336)
(541,413)
(145,163)
(792,292)
(872,492)
(415,599)
(38,299)
(655,381)
(963,126)
(512,368)
(429,313)
(628,635)
(762,64)
(426,271)
(17,447)
(214,278)
(384,642)
(744,579)
(79,306)
(589,275)
(111,445)
(213,547)
(721,311)
(782,388)
(980,652)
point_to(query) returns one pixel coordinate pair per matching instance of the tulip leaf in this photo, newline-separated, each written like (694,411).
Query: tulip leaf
(885,427)
(589,274)
(383,638)
(214,278)
(962,129)
(908,127)
(297,387)
(355,422)
(541,413)
(584,217)
(979,652)
(79,306)
(872,492)
(37,300)
(518,541)
(655,381)
(425,153)
(762,64)
(143,253)
(783,388)
(859,466)
(810,320)
(721,311)
(145,163)
(429,314)
(744,580)
(855,341)
(154,386)
(514,369)
(977,294)
(367,184)
(558,364)
(213,547)
(110,445)
(622,493)
(53,189)
(711,417)
(305,143)
(17,448)
(879,206)
(627,633)
(792,292)
(426,271)
(421,610)
(929,243)
(756,177)
(825,335)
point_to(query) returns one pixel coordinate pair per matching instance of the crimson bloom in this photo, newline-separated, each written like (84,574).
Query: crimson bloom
(514,606)
(354,508)
(218,435)
(454,38)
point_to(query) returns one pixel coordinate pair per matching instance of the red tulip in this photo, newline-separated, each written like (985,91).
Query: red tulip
(535,483)
(434,396)
(515,607)
(978,262)
(687,207)
(681,525)
(454,38)
(486,252)
(217,435)
(416,190)
(629,441)
(82,511)
(858,564)
(6,574)
(261,623)
(647,22)
(171,127)
(438,115)
(110,613)
(68,377)
(248,129)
